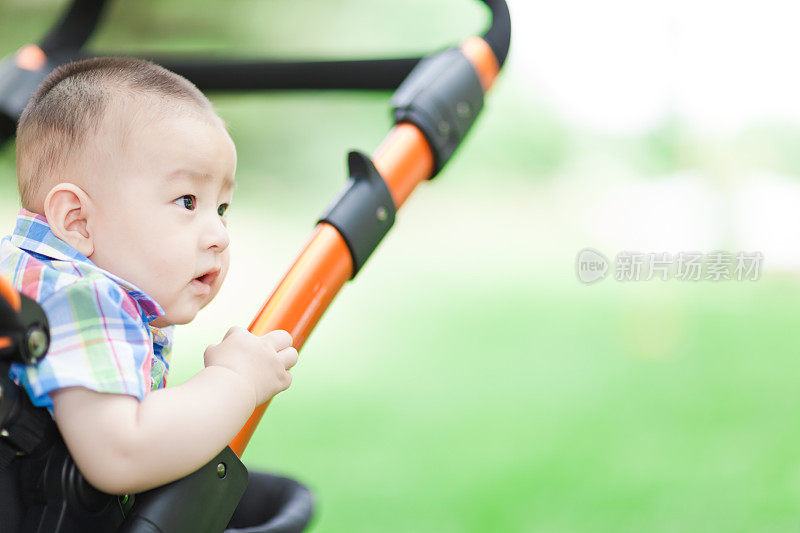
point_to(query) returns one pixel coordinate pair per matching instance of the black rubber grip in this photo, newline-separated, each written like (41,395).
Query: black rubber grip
(442,97)
(364,210)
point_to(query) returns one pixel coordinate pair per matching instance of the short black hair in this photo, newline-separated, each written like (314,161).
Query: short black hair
(72,101)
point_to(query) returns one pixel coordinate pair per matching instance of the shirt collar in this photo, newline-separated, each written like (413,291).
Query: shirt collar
(163,337)
(33,234)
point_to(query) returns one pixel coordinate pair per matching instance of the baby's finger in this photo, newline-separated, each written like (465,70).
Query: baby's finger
(232,330)
(288,357)
(278,339)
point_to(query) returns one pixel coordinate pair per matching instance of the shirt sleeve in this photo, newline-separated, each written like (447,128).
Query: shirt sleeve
(98,340)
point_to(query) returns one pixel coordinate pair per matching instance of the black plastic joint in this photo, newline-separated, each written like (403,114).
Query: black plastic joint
(364,210)
(202,502)
(442,96)
(28,330)
(16,87)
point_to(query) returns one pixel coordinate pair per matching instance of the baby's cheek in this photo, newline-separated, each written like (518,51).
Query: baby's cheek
(226,263)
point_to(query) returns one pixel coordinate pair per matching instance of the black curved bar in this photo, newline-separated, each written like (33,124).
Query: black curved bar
(243,75)
(64,41)
(229,74)
(498,36)
(74,27)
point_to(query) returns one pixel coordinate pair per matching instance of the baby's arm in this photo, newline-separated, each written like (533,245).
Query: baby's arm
(125,446)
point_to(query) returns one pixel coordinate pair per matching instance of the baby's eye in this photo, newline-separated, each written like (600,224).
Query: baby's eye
(222,209)
(187,200)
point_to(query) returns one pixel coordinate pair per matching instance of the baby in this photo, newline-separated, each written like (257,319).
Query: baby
(125,176)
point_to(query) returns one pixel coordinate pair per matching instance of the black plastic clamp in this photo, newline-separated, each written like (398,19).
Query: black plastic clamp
(364,210)
(442,96)
(28,330)
(201,502)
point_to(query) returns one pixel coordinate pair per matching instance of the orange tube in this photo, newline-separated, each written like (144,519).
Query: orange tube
(31,57)
(404,160)
(8,292)
(482,57)
(299,300)
(11,295)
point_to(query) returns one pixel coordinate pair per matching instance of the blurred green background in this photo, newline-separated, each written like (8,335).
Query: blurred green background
(467,381)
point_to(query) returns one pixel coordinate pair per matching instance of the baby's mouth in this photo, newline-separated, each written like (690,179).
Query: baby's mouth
(208,278)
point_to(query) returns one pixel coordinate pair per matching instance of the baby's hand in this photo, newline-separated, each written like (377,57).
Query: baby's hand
(263,361)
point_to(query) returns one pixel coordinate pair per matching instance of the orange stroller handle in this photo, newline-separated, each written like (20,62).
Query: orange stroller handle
(10,294)
(403,160)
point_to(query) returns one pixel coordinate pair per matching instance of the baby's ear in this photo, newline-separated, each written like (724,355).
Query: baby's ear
(67,209)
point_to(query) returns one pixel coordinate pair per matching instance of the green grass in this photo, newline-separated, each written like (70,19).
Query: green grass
(534,406)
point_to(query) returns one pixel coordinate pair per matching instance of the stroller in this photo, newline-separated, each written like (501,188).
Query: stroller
(437,99)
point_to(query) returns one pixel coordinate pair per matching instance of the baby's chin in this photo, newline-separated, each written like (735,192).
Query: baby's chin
(162,322)
(169,320)
(173,318)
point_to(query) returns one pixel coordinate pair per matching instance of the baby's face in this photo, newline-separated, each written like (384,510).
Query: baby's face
(160,221)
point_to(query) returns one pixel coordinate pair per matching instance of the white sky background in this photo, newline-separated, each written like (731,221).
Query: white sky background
(622,67)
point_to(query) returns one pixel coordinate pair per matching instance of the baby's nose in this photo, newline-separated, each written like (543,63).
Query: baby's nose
(222,242)
(216,237)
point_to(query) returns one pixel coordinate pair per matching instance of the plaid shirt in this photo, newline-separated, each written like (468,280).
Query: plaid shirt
(100,336)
